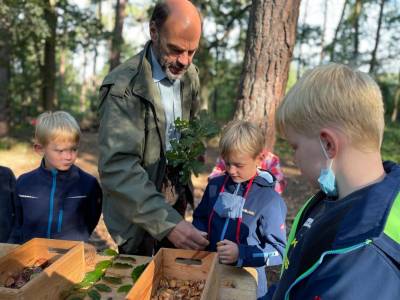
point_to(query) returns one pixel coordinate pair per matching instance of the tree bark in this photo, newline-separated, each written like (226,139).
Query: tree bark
(5,57)
(322,53)
(373,62)
(270,41)
(117,39)
(49,67)
(356,27)
(335,37)
(396,101)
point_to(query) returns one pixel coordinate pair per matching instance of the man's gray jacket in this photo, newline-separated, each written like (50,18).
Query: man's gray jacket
(132,149)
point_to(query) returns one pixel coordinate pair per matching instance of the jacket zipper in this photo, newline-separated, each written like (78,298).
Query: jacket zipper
(53,190)
(319,261)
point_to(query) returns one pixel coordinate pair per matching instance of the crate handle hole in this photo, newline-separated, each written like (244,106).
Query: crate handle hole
(57,250)
(188,261)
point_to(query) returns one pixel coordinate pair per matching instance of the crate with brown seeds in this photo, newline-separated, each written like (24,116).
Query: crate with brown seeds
(62,264)
(195,271)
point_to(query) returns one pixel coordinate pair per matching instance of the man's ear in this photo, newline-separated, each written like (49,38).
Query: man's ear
(39,149)
(153,32)
(330,141)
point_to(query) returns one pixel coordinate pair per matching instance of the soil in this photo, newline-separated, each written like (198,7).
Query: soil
(21,158)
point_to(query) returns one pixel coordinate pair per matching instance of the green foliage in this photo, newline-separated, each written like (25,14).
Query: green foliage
(112,279)
(136,272)
(110,252)
(124,288)
(390,145)
(25,31)
(188,150)
(102,287)
(94,295)
(119,265)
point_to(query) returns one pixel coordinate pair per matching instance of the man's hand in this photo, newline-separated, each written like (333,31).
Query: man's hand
(186,236)
(228,252)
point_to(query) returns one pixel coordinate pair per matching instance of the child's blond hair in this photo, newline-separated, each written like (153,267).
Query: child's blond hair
(56,126)
(243,137)
(338,96)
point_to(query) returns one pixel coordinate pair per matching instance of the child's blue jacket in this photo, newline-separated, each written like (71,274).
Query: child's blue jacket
(56,204)
(7,196)
(262,231)
(347,248)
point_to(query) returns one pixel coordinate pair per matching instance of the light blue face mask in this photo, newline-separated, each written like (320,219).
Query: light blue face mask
(326,179)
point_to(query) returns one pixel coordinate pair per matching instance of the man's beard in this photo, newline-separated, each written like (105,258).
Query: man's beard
(165,65)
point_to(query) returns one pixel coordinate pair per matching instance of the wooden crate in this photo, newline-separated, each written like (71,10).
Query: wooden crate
(67,267)
(178,264)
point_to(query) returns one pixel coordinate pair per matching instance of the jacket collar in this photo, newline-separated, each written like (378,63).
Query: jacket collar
(71,173)
(367,217)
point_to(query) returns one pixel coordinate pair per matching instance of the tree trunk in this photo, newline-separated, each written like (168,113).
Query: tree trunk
(96,53)
(356,26)
(84,86)
(117,39)
(270,41)
(49,67)
(396,101)
(373,61)
(322,53)
(335,37)
(5,56)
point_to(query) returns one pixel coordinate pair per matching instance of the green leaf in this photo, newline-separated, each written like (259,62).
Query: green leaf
(124,288)
(94,295)
(119,265)
(110,252)
(127,258)
(103,265)
(91,278)
(102,287)
(112,279)
(136,272)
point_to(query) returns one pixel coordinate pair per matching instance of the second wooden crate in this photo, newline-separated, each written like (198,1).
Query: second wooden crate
(178,264)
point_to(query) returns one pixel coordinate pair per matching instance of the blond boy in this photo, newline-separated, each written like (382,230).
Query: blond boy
(344,243)
(243,215)
(57,200)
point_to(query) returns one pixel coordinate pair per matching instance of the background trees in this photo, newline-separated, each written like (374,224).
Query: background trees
(54,53)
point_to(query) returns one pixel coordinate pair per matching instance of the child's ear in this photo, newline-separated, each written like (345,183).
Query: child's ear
(39,149)
(259,159)
(330,141)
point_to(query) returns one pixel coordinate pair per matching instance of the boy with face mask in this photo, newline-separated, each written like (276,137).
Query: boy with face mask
(345,240)
(242,214)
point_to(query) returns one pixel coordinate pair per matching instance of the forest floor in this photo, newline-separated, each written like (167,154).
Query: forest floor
(18,155)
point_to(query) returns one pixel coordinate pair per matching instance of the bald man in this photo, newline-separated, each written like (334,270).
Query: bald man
(139,101)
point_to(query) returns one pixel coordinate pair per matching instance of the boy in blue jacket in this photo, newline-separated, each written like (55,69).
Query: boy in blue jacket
(57,200)
(7,195)
(241,212)
(345,241)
